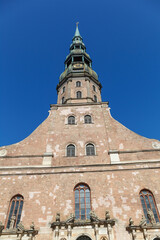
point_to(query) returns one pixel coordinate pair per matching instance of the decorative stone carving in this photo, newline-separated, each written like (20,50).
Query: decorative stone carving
(109,229)
(96,229)
(147,231)
(57,231)
(103,238)
(143,221)
(57,217)
(19,231)
(145,234)
(69,230)
(32,227)
(20,227)
(107,215)
(12,222)
(156,145)
(134,235)
(71,224)
(71,218)
(3,152)
(150,216)
(93,216)
(1,227)
(131,222)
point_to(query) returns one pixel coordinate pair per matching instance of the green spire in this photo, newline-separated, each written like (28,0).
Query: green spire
(77,34)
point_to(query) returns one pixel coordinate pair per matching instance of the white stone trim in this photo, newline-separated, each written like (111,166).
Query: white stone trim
(114,158)
(47,159)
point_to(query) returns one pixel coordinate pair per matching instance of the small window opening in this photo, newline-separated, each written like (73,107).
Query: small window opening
(94,88)
(90,150)
(79,95)
(69,62)
(87,119)
(77,59)
(63,90)
(71,120)
(78,84)
(71,150)
(63,100)
(86,61)
(95,98)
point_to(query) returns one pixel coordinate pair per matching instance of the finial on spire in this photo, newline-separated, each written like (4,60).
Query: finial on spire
(77,34)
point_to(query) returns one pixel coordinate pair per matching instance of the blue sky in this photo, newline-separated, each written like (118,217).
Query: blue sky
(122,38)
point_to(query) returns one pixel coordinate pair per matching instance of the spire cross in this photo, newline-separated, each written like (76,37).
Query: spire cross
(77,24)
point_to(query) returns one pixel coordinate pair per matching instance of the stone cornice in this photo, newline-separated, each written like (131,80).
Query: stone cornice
(36,167)
(84,223)
(78,75)
(55,106)
(109,152)
(147,227)
(18,232)
(18,172)
(92,221)
(29,156)
(133,151)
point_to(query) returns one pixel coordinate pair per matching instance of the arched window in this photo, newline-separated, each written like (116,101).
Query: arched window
(87,119)
(90,149)
(63,90)
(15,209)
(63,100)
(71,150)
(79,94)
(95,98)
(78,84)
(71,120)
(148,202)
(82,201)
(94,88)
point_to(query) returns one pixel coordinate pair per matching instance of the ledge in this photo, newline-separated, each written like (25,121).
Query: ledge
(132,151)
(138,227)
(29,156)
(138,162)
(77,104)
(84,223)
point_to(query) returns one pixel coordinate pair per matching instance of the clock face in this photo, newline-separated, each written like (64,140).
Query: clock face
(78,66)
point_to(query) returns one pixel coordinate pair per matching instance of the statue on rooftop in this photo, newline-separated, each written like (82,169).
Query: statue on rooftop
(107,215)
(57,217)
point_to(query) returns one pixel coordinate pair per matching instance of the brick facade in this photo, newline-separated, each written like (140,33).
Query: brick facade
(38,169)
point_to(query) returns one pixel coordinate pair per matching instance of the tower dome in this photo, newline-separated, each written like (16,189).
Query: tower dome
(79,82)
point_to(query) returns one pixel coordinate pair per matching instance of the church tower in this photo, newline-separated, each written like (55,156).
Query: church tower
(81,175)
(79,82)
